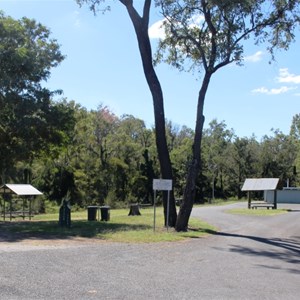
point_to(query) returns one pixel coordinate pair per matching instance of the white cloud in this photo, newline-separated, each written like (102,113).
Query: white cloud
(281,90)
(76,19)
(261,90)
(156,30)
(255,57)
(196,21)
(286,77)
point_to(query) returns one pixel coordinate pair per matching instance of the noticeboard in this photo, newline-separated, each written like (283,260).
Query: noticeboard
(260,184)
(162,184)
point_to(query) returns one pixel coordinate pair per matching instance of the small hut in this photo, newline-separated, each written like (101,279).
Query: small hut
(25,192)
(261,184)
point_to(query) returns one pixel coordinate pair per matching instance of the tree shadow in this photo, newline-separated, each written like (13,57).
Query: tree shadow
(50,230)
(293,210)
(287,250)
(199,232)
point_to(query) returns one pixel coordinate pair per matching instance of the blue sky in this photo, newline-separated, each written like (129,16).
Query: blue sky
(103,66)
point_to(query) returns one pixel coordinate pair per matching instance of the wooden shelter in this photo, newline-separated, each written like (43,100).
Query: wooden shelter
(261,184)
(26,193)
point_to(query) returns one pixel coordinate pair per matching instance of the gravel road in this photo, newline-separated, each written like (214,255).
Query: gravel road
(250,258)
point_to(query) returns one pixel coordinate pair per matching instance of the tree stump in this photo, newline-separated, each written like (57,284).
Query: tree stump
(134,210)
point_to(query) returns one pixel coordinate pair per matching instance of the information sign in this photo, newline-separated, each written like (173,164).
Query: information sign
(162,184)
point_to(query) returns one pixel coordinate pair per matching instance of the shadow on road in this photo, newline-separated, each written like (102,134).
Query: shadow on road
(287,250)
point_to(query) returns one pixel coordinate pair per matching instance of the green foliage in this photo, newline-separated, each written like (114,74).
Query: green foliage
(228,160)
(295,127)
(27,55)
(208,34)
(31,124)
(278,156)
(115,168)
(243,162)
(295,139)
(216,143)
(179,141)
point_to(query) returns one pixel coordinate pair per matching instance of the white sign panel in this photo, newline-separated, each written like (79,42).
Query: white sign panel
(162,184)
(260,184)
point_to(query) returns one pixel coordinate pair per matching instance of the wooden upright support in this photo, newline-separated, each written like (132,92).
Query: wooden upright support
(275,199)
(249,199)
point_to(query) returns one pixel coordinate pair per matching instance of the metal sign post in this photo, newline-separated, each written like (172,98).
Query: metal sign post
(154,210)
(161,185)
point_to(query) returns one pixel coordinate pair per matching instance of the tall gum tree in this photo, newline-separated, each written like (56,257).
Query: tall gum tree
(141,25)
(207,35)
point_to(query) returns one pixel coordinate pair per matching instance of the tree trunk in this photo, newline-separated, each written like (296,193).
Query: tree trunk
(141,25)
(194,168)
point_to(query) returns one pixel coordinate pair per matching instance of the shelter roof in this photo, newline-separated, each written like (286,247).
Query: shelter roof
(20,189)
(260,184)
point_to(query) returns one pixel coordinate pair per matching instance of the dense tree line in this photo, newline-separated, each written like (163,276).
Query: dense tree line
(113,160)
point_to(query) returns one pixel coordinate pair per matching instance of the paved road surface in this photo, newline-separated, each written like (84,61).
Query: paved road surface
(251,258)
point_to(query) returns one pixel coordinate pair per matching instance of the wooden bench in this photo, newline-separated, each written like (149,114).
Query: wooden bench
(255,205)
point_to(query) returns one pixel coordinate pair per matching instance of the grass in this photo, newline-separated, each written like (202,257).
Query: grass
(221,203)
(257,212)
(120,228)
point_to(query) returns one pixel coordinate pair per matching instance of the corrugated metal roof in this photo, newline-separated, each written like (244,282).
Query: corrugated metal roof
(20,189)
(260,184)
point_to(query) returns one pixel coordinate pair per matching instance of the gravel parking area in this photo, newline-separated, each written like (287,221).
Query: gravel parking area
(250,258)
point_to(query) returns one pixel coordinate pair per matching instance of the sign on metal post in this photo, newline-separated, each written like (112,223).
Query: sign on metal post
(162,185)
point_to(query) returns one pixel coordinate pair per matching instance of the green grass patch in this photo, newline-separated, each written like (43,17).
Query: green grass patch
(120,228)
(257,212)
(220,202)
